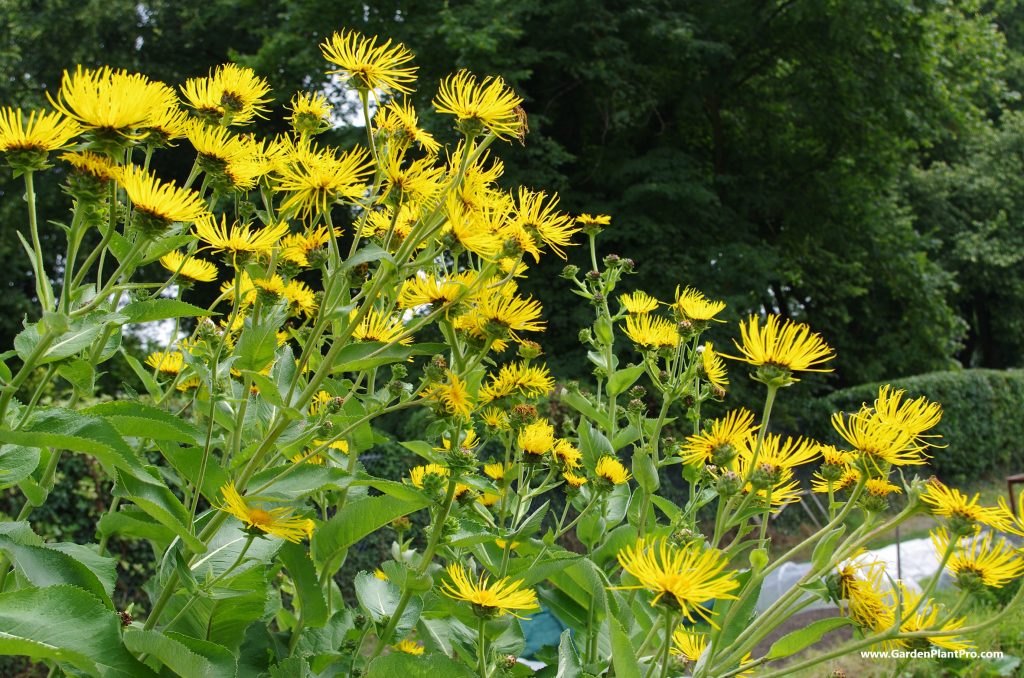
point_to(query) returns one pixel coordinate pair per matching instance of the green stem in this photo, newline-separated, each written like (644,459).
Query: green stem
(481,647)
(42,289)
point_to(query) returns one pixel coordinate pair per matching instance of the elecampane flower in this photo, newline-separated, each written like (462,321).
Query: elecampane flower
(490,599)
(279,522)
(488,104)
(368,65)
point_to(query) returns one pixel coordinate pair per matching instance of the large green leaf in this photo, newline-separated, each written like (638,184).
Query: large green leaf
(66,624)
(569,664)
(158,501)
(623,379)
(78,337)
(104,567)
(205,659)
(307,586)
(78,432)
(794,642)
(356,520)
(380,600)
(256,347)
(17,462)
(623,655)
(142,421)
(149,310)
(133,522)
(409,666)
(188,461)
(233,605)
(42,566)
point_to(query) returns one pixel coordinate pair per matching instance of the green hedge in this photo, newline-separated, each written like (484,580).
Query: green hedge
(982,420)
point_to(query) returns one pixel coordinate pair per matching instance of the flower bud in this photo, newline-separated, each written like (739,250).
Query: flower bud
(570,272)
(728,484)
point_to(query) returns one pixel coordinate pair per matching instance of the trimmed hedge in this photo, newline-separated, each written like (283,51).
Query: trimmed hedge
(982,420)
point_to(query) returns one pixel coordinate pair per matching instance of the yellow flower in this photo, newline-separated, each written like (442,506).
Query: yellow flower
(496,471)
(453,396)
(926,618)
(720,444)
(980,559)
(690,574)
(377,327)
(848,479)
(318,402)
(714,367)
(573,480)
(791,346)
(410,647)
(488,599)
(538,215)
(112,102)
(963,512)
(691,304)
(651,332)
(505,315)
(638,302)
(419,473)
(96,166)
(423,290)
(273,286)
(238,238)
(594,220)
(296,247)
(231,92)
(280,522)
(489,104)
(612,470)
(162,203)
(468,228)
(172,362)
(860,584)
(495,418)
(419,181)
(794,452)
(369,65)
(567,454)
(529,381)
(537,438)
(912,416)
(189,267)
(217,146)
(400,122)
(309,113)
(379,574)
(41,133)
(880,487)
(877,442)
(301,296)
(688,645)
(314,178)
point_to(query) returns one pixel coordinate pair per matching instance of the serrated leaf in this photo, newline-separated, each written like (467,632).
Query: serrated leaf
(79,337)
(142,421)
(569,663)
(173,652)
(307,586)
(256,347)
(409,666)
(79,373)
(17,462)
(148,382)
(42,566)
(149,310)
(159,502)
(623,655)
(66,624)
(794,642)
(356,520)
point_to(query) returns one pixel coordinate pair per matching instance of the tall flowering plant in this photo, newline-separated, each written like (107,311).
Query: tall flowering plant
(350,284)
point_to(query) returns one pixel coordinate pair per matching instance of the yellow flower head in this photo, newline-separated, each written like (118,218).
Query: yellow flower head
(488,104)
(410,646)
(914,417)
(309,112)
(926,618)
(880,487)
(849,478)
(112,102)
(172,362)
(539,216)
(162,203)
(573,480)
(418,181)
(377,327)
(41,133)
(611,469)
(301,297)
(651,332)
(790,346)
(691,304)
(368,65)
(879,444)
(529,381)
(504,315)
(720,444)
(488,599)
(594,220)
(453,395)
(296,247)
(496,471)
(495,419)
(418,473)
(980,559)
(860,583)
(98,167)
(189,267)
(714,367)
(787,454)
(690,574)
(399,121)
(537,438)
(567,454)
(688,645)
(314,178)
(230,92)
(638,302)
(962,512)
(238,238)
(279,522)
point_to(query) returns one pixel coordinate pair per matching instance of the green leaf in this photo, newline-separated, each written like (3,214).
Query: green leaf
(66,624)
(159,502)
(409,666)
(307,586)
(104,567)
(368,354)
(42,566)
(188,460)
(356,520)
(741,618)
(301,481)
(133,522)
(79,337)
(142,421)
(569,664)
(149,310)
(144,375)
(623,379)
(256,347)
(78,432)
(794,642)
(623,655)
(79,373)
(380,600)
(593,444)
(825,548)
(17,462)
(171,650)
(579,403)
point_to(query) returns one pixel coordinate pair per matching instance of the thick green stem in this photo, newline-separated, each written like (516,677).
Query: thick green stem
(42,288)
